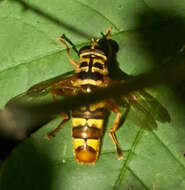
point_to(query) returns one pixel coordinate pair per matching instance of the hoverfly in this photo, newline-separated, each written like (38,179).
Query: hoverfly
(92,73)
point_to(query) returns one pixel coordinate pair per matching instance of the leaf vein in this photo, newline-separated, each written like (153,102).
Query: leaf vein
(38,57)
(169,151)
(146,188)
(126,162)
(99,13)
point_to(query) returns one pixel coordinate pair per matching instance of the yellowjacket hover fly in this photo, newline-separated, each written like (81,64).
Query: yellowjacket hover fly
(91,73)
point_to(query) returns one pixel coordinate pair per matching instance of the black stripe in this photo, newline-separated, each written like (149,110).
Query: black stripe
(86,56)
(90,75)
(98,57)
(83,64)
(98,65)
(83,116)
(86,132)
(90,65)
(93,112)
(89,148)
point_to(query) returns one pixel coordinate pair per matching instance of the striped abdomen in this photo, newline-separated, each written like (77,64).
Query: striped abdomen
(87,123)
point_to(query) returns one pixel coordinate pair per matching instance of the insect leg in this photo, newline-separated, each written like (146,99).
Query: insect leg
(70,42)
(108,35)
(53,95)
(75,63)
(111,104)
(53,133)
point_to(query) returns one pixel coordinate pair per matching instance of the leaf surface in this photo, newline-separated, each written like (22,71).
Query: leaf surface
(147,32)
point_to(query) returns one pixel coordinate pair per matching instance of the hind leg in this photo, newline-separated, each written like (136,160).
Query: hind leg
(111,104)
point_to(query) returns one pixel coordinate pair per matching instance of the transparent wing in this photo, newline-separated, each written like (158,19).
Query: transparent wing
(158,111)
(45,87)
(24,112)
(60,86)
(145,110)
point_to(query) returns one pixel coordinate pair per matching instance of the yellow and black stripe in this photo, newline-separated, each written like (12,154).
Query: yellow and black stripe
(87,121)
(92,68)
(87,124)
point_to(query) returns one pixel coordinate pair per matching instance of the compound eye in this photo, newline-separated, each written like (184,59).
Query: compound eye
(98,65)
(83,64)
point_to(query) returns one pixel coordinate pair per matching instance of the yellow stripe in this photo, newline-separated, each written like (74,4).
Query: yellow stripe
(103,72)
(93,53)
(99,61)
(78,121)
(94,143)
(77,142)
(94,69)
(93,107)
(98,123)
(80,82)
(95,122)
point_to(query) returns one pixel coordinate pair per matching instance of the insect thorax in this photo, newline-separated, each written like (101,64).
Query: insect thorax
(92,67)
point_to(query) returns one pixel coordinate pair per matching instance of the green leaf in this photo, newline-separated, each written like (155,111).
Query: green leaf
(147,32)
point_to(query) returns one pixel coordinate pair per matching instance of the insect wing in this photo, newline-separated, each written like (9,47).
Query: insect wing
(158,111)
(41,92)
(45,87)
(145,110)
(141,116)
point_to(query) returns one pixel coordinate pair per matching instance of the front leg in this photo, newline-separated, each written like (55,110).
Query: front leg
(62,40)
